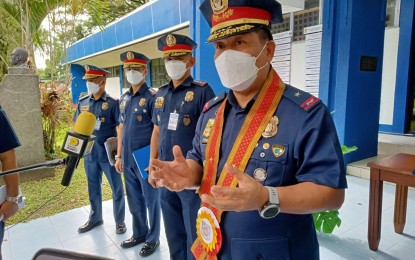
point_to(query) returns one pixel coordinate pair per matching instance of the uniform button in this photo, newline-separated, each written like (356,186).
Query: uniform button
(262,155)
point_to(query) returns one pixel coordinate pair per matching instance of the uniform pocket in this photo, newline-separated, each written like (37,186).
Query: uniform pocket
(269,248)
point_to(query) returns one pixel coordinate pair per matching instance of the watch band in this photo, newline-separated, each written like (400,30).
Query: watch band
(273,195)
(16,200)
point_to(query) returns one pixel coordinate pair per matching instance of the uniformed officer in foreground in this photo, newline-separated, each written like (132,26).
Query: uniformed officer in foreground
(8,143)
(106,110)
(135,129)
(265,156)
(178,106)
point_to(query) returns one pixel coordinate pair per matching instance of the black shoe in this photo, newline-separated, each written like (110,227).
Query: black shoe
(149,248)
(132,242)
(88,226)
(120,228)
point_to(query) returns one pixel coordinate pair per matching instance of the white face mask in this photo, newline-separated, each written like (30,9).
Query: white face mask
(237,70)
(176,69)
(134,77)
(93,88)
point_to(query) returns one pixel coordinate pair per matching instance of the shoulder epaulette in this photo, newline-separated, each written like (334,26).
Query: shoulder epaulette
(200,83)
(304,99)
(123,95)
(219,98)
(83,97)
(111,97)
(152,91)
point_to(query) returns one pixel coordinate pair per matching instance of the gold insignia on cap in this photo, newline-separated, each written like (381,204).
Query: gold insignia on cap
(186,120)
(104,106)
(159,102)
(218,6)
(189,96)
(130,55)
(86,68)
(260,174)
(142,102)
(272,128)
(170,40)
(84,108)
(278,150)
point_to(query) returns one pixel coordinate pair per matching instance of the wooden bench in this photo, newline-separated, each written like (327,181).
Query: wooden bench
(396,169)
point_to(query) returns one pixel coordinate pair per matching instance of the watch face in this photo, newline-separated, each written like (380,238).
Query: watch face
(271,211)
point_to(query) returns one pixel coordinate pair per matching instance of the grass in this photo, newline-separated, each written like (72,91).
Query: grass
(57,198)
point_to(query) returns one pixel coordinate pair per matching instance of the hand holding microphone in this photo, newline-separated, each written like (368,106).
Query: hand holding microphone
(78,143)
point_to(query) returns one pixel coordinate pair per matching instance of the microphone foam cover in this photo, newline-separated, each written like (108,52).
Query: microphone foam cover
(85,123)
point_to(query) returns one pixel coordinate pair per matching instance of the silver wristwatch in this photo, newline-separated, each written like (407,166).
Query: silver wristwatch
(272,207)
(16,200)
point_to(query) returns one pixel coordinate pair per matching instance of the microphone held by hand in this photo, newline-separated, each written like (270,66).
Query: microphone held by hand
(78,143)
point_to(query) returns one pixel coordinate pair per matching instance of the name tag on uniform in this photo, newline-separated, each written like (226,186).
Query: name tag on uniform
(173,120)
(97,124)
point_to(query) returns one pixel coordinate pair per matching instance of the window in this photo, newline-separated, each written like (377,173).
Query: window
(159,75)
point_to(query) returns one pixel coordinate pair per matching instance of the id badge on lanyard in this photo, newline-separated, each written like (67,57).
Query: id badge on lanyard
(173,120)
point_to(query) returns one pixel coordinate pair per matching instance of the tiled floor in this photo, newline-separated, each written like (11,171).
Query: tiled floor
(348,242)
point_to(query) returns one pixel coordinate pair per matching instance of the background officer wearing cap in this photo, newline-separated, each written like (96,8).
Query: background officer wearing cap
(177,108)
(8,142)
(275,148)
(136,107)
(106,110)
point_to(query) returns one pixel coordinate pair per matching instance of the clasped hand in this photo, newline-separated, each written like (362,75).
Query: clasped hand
(177,175)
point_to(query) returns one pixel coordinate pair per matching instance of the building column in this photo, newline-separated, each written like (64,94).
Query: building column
(199,32)
(351,71)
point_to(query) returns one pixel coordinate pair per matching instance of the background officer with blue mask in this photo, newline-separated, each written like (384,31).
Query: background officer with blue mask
(136,108)
(8,142)
(106,110)
(177,108)
(266,155)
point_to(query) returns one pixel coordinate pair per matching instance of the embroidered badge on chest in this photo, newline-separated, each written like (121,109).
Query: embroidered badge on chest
(278,150)
(84,108)
(272,128)
(159,102)
(189,96)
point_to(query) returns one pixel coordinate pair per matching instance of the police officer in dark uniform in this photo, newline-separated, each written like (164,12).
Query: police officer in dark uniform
(8,142)
(266,155)
(136,107)
(106,110)
(177,108)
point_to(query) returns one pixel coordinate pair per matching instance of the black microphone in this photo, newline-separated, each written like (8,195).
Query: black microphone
(78,143)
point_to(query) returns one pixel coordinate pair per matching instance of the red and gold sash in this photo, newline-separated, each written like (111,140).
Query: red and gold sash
(254,125)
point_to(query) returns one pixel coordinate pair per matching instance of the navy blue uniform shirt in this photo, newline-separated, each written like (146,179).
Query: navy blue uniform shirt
(8,138)
(187,100)
(135,114)
(305,148)
(106,111)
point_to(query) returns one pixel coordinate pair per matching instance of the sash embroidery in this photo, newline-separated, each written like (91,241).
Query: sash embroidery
(254,124)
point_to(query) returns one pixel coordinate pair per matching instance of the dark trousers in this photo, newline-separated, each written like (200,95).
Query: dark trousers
(142,196)
(94,176)
(179,215)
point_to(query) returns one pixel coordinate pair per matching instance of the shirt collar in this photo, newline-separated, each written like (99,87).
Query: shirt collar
(186,83)
(140,91)
(234,103)
(103,97)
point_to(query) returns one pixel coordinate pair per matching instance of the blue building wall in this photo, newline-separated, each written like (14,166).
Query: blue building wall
(153,18)
(351,30)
